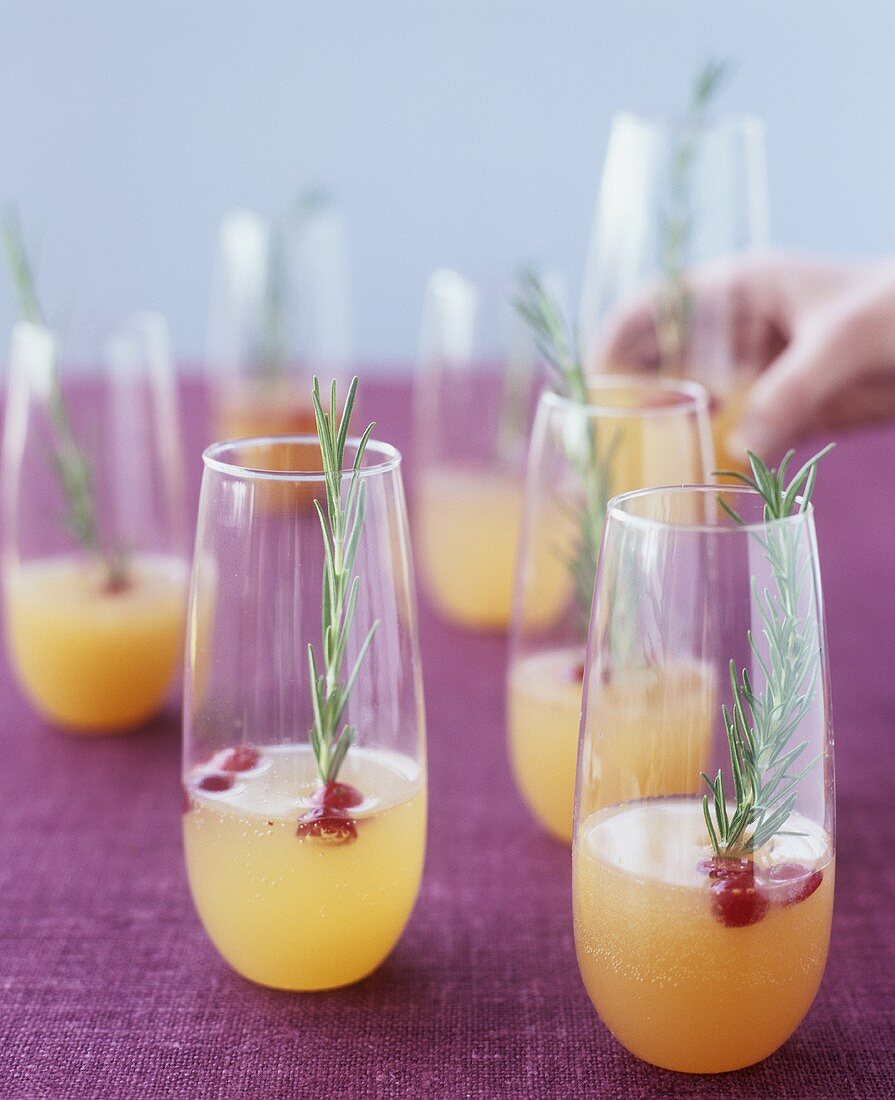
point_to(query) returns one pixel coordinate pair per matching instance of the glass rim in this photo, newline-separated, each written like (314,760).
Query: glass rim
(615,510)
(695,396)
(390,459)
(743,121)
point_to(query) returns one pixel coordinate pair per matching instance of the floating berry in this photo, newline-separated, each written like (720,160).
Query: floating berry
(576,673)
(117,583)
(337,796)
(241,759)
(215,782)
(332,826)
(790,883)
(738,902)
(726,867)
(186,799)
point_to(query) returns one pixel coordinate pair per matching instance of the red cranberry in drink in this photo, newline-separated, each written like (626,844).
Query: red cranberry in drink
(215,782)
(241,759)
(332,826)
(337,796)
(790,883)
(738,902)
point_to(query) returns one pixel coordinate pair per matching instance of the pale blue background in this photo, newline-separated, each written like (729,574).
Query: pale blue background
(464,132)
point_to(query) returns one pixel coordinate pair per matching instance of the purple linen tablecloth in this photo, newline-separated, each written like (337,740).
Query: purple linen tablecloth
(110,987)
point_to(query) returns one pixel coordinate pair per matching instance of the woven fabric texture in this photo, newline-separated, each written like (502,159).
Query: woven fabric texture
(111,989)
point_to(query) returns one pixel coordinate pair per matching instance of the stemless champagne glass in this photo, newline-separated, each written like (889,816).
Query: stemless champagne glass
(678,201)
(280,313)
(635,432)
(472,412)
(301,886)
(94,529)
(702,926)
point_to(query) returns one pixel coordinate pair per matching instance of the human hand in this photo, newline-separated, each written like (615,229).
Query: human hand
(837,370)
(767,310)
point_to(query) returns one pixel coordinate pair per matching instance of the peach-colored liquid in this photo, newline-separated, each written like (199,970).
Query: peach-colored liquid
(89,659)
(304,913)
(675,985)
(655,741)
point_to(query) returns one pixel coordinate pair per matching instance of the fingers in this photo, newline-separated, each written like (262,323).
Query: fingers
(838,371)
(734,308)
(628,341)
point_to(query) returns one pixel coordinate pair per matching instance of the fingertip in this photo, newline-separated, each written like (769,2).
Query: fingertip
(752,436)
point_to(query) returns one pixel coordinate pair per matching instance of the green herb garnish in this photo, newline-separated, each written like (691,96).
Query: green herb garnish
(557,341)
(674,306)
(69,460)
(761,724)
(341,525)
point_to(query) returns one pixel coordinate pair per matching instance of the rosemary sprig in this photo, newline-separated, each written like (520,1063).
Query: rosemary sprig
(674,305)
(341,524)
(518,379)
(553,335)
(69,460)
(557,341)
(766,767)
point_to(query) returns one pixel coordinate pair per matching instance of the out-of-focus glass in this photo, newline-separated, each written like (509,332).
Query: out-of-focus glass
(280,313)
(677,205)
(637,431)
(94,531)
(473,404)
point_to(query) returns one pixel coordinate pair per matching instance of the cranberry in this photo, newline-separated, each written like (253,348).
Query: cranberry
(739,901)
(726,867)
(576,673)
(186,799)
(790,883)
(333,826)
(116,583)
(241,759)
(337,796)
(215,782)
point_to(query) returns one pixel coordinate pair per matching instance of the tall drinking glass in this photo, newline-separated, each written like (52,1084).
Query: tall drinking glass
(472,413)
(702,927)
(280,313)
(637,431)
(678,202)
(94,530)
(300,886)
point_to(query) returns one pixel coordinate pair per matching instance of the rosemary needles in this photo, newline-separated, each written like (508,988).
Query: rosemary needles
(761,722)
(71,464)
(341,522)
(556,340)
(674,304)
